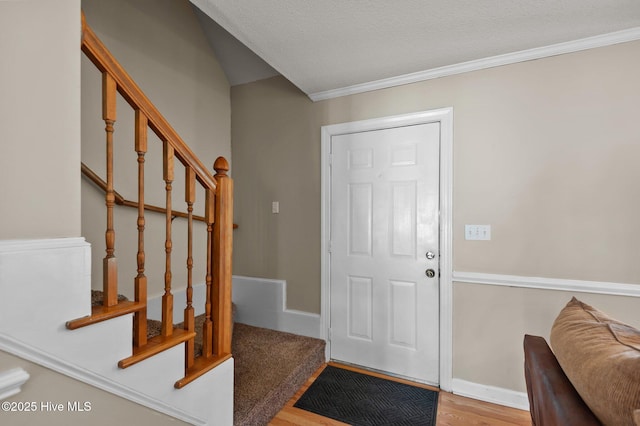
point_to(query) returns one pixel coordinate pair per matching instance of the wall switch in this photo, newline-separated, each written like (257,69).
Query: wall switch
(275,207)
(477,232)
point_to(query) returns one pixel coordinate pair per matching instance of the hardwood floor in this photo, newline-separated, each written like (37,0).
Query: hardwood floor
(453,410)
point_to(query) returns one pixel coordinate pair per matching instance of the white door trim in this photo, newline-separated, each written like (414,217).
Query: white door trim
(445,117)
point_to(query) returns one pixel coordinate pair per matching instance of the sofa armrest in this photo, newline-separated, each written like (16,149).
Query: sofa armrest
(552,398)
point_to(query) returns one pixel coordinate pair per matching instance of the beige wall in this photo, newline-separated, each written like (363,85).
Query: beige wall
(39,119)
(490,323)
(105,409)
(276,148)
(545,152)
(162,46)
(39,179)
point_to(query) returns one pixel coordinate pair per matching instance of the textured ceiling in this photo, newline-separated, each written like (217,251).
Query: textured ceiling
(322,45)
(240,64)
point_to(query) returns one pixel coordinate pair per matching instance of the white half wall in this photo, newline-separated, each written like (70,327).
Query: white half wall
(262,302)
(44,284)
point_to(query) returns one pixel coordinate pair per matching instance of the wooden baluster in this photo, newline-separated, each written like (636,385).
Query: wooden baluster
(207,327)
(222,252)
(167,297)
(109,263)
(189,316)
(140,283)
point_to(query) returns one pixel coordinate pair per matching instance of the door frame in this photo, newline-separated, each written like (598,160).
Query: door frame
(445,117)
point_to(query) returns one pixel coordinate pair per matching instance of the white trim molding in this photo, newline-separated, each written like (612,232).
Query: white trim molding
(492,394)
(617,37)
(21,246)
(557,284)
(445,117)
(11,382)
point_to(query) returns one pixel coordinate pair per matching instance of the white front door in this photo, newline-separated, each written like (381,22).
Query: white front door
(384,241)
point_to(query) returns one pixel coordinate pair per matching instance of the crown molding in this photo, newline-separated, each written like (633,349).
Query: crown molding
(617,37)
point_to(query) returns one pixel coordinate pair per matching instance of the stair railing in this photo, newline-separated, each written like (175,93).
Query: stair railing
(218,218)
(121,201)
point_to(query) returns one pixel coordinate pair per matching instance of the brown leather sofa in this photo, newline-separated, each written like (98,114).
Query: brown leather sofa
(552,398)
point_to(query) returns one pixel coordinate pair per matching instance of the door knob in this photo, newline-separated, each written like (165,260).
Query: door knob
(430,273)
(430,255)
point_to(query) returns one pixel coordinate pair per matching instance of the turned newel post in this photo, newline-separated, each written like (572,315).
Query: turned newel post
(222,253)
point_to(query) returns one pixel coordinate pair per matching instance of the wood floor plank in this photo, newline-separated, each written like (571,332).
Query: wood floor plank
(453,410)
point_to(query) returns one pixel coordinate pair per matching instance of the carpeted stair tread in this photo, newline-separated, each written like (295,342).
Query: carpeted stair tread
(270,367)
(97,298)
(154,327)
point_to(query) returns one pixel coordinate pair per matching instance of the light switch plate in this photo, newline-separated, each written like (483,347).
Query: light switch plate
(275,207)
(477,232)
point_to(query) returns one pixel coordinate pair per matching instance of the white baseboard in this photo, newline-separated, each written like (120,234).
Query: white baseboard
(262,302)
(492,394)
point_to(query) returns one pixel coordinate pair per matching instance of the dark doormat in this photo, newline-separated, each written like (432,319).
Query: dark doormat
(360,399)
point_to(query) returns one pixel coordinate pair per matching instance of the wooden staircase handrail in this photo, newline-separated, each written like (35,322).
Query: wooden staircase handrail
(218,216)
(121,201)
(97,52)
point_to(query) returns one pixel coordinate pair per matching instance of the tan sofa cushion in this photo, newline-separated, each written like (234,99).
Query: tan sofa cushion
(601,358)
